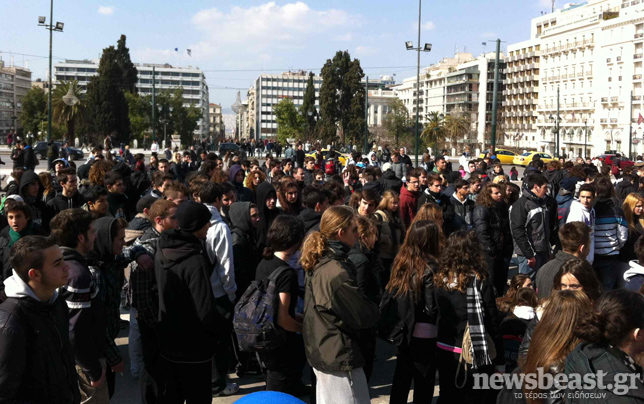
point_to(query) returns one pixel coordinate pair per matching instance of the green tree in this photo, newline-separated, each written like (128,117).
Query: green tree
(130,73)
(290,123)
(342,99)
(456,126)
(139,111)
(65,115)
(434,130)
(34,110)
(108,109)
(183,120)
(397,122)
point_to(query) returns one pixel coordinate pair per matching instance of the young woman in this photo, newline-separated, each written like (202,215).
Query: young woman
(633,208)
(253,180)
(335,310)
(393,234)
(514,174)
(462,277)
(491,220)
(520,311)
(285,363)
(412,280)
(266,198)
(519,281)
(611,339)
(49,192)
(364,259)
(289,197)
(433,213)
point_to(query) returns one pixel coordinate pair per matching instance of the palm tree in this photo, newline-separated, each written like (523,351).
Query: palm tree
(434,128)
(456,126)
(68,106)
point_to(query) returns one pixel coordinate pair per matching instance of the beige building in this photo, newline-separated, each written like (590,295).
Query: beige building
(217,127)
(15,81)
(250,133)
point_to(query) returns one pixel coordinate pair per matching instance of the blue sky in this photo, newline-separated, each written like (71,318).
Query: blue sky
(233,41)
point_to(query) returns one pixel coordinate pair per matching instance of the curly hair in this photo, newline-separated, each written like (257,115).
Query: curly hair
(219,176)
(504,303)
(248,182)
(97,172)
(485,196)
(287,183)
(461,260)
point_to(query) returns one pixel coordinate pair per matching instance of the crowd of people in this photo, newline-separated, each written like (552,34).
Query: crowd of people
(354,248)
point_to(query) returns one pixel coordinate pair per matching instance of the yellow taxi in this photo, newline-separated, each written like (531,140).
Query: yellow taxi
(342,157)
(526,158)
(504,156)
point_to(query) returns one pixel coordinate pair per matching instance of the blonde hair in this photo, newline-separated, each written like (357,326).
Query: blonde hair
(367,232)
(315,245)
(500,178)
(388,197)
(629,208)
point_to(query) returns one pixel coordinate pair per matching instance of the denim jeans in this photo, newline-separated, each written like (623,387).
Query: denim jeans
(610,271)
(524,268)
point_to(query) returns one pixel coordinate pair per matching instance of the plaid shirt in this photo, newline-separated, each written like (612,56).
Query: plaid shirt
(144,299)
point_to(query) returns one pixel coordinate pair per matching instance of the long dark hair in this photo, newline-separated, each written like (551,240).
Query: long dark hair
(583,271)
(288,182)
(422,245)
(504,303)
(484,197)
(285,232)
(461,260)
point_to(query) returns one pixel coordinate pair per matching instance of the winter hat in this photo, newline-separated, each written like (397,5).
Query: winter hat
(568,184)
(386,166)
(65,163)
(192,216)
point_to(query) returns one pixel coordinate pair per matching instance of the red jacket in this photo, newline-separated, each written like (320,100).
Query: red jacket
(408,206)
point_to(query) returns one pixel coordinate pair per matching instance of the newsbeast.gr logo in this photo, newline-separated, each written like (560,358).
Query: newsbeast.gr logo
(571,385)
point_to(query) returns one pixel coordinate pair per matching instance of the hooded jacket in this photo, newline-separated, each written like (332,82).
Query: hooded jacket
(335,310)
(564,200)
(459,214)
(492,226)
(30,158)
(5,249)
(87,322)
(311,220)
(246,257)
(36,357)
(611,228)
(529,224)
(39,213)
(243,194)
(61,202)
(623,188)
(634,276)
(375,186)
(390,180)
(264,190)
(117,205)
(188,320)
(408,205)
(219,247)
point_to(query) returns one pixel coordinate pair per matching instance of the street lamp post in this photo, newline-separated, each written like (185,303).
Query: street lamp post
(164,122)
(51,27)
(427,48)
(585,138)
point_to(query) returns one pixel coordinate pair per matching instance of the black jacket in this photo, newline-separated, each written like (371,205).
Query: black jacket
(5,249)
(623,188)
(188,320)
(246,257)
(30,158)
(264,190)
(39,212)
(529,221)
(428,196)
(311,220)
(390,181)
(243,194)
(492,226)
(458,215)
(61,202)
(363,262)
(36,357)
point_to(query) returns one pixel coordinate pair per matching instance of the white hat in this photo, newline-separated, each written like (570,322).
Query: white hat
(386,166)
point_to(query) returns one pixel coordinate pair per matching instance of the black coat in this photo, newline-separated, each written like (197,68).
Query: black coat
(246,257)
(457,215)
(60,202)
(390,181)
(492,226)
(36,358)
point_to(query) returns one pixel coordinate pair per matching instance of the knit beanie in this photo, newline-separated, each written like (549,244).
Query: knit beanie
(192,216)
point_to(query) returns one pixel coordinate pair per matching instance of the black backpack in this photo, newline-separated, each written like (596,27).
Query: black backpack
(255,320)
(397,318)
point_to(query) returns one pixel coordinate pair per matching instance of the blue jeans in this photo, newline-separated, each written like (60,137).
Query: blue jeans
(610,271)
(524,268)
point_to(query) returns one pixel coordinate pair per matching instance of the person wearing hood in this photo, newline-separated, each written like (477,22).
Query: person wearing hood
(31,191)
(68,197)
(220,252)
(116,197)
(36,356)
(268,211)
(189,326)
(564,199)
(458,215)
(236,176)
(141,222)
(244,218)
(529,221)
(409,197)
(73,230)
(315,201)
(389,180)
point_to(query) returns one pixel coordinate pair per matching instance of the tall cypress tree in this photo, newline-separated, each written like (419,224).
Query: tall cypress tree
(308,104)
(130,73)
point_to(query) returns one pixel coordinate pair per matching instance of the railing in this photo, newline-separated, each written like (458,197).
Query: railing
(637,77)
(613,120)
(603,120)
(638,36)
(637,98)
(619,58)
(588,74)
(637,56)
(580,74)
(614,99)
(608,60)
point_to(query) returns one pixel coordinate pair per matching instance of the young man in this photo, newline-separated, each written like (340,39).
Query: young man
(409,197)
(31,191)
(116,198)
(164,167)
(244,217)
(287,165)
(529,222)
(227,199)
(236,176)
(160,181)
(611,233)
(73,230)
(582,211)
(475,188)
(69,197)
(368,203)
(458,215)
(176,192)
(575,243)
(219,248)
(97,203)
(300,156)
(441,165)
(36,357)
(300,177)
(309,167)
(189,327)
(433,193)
(145,299)
(315,201)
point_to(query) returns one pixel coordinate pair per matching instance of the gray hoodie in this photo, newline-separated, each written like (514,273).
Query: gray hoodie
(17,288)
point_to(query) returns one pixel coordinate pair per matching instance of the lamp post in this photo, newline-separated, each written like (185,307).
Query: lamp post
(585,138)
(427,48)
(436,129)
(58,28)
(164,122)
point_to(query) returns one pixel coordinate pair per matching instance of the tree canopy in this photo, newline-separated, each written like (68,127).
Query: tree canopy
(290,123)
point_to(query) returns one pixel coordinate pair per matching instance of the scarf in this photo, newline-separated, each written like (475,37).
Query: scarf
(15,236)
(475,318)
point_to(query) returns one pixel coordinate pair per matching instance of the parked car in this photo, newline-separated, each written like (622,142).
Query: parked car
(610,158)
(41,148)
(231,147)
(342,157)
(526,158)
(505,156)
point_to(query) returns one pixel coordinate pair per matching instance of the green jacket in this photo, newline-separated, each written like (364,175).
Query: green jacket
(334,312)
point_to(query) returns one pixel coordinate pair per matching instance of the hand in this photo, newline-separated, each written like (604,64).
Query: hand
(99,382)
(119,368)
(532,262)
(346,178)
(145,262)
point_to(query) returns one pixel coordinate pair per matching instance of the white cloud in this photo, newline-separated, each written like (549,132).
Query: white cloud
(106,10)
(428,26)
(365,51)
(343,38)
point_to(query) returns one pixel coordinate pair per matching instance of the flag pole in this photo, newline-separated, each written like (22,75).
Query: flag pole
(630,129)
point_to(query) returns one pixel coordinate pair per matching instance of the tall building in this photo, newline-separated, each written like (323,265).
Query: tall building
(191,80)
(270,89)
(378,103)
(15,81)
(217,127)
(521,94)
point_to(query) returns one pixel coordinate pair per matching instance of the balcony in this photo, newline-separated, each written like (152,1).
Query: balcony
(619,59)
(608,60)
(604,100)
(614,99)
(603,120)
(638,36)
(589,74)
(613,120)
(637,77)
(637,98)
(580,74)
(637,56)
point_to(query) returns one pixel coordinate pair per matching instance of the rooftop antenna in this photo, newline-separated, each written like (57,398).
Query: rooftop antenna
(553,5)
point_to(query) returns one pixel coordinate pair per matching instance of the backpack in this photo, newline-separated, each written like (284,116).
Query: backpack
(255,319)
(329,167)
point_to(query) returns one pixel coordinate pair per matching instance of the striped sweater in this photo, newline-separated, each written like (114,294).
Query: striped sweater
(611,228)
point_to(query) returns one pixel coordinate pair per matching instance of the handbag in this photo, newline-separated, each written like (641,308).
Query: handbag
(465,359)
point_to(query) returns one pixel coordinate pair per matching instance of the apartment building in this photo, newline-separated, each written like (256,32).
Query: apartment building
(217,127)
(192,80)
(15,81)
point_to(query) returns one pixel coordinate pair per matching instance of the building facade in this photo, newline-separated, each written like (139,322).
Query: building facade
(191,80)
(15,81)
(217,127)
(270,89)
